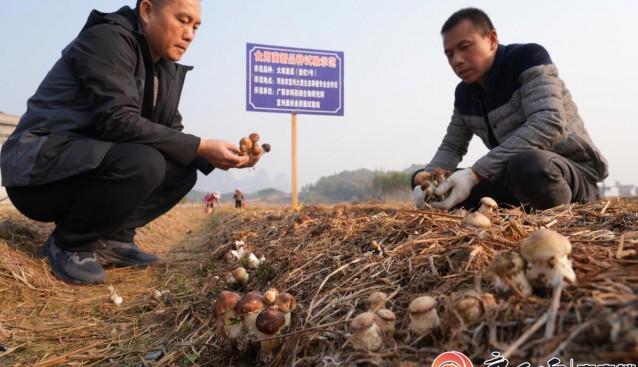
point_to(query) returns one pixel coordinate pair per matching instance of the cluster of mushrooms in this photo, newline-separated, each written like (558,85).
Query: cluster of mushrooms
(425,184)
(542,265)
(248,146)
(240,254)
(254,320)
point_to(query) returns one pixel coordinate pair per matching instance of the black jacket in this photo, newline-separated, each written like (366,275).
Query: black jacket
(100,92)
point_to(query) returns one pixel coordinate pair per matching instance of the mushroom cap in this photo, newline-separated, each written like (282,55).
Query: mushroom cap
(254,137)
(270,296)
(422,304)
(477,219)
(239,273)
(421,177)
(266,147)
(286,302)
(545,244)
(386,315)
(506,263)
(226,301)
(255,150)
(247,142)
(376,298)
(251,302)
(270,321)
(489,202)
(363,321)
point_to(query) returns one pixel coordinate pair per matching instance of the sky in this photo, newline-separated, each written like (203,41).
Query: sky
(398,86)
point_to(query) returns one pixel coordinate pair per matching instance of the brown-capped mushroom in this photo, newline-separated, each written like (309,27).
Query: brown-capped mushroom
(421,177)
(377,300)
(247,142)
(546,253)
(248,307)
(270,296)
(508,269)
(476,220)
(266,147)
(241,275)
(471,305)
(386,320)
(270,322)
(286,302)
(366,332)
(254,137)
(255,150)
(423,316)
(489,207)
(230,323)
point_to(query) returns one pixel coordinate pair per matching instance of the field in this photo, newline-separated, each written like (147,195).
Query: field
(324,256)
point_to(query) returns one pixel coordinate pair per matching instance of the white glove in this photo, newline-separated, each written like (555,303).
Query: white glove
(418,196)
(460,183)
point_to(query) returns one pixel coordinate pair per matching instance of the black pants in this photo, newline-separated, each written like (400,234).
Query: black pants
(133,185)
(536,179)
(237,203)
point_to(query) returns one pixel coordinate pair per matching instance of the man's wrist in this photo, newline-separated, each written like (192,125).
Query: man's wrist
(478,177)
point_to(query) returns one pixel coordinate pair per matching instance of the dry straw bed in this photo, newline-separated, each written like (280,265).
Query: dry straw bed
(325,257)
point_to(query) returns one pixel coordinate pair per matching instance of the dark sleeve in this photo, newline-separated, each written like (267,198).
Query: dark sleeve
(104,58)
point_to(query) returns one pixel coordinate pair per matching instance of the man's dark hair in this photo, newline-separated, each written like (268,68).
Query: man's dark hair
(158,3)
(479,19)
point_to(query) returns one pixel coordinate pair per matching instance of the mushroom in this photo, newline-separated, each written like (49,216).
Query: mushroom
(229,257)
(266,147)
(241,275)
(423,316)
(248,307)
(366,332)
(254,137)
(114,297)
(421,177)
(270,296)
(286,302)
(255,150)
(476,220)
(270,322)
(386,320)
(253,261)
(377,300)
(489,207)
(507,269)
(546,253)
(229,322)
(470,306)
(245,142)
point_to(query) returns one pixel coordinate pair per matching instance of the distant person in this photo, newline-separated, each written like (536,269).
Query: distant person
(100,150)
(217,199)
(512,98)
(239,197)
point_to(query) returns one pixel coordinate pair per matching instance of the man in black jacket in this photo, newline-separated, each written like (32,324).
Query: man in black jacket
(100,150)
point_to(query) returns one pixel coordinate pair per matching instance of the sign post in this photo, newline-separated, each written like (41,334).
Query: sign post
(296,81)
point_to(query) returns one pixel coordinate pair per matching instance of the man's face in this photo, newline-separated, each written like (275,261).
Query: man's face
(469,53)
(170,28)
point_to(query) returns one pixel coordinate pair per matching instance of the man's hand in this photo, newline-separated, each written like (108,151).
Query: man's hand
(221,154)
(418,196)
(460,183)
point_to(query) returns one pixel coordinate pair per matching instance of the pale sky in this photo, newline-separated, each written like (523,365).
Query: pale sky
(398,85)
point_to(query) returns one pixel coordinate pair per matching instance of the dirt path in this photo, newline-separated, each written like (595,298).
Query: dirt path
(45,322)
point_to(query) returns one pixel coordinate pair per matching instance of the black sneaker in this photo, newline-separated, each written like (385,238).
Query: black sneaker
(73,267)
(124,254)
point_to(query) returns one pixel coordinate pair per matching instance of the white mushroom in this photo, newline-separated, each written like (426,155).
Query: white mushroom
(377,300)
(423,316)
(229,323)
(114,297)
(476,220)
(489,207)
(386,320)
(546,253)
(507,269)
(253,261)
(366,332)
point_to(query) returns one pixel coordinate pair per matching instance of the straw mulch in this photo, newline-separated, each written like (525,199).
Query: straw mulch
(323,256)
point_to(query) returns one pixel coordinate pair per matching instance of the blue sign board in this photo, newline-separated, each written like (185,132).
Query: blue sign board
(294,80)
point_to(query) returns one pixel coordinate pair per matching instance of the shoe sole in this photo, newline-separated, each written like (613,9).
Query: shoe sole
(118,261)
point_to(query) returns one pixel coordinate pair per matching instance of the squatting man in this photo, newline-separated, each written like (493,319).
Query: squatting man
(100,150)
(511,97)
